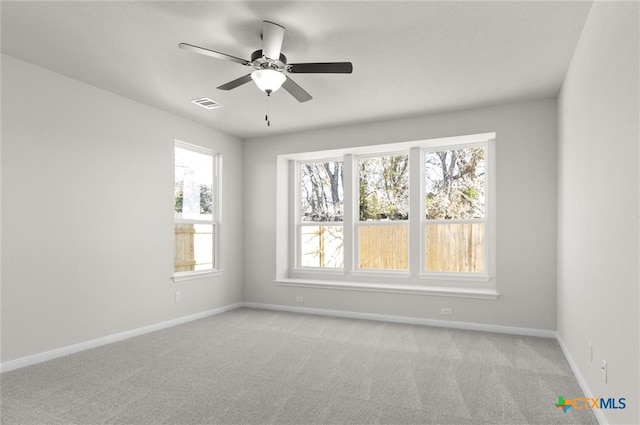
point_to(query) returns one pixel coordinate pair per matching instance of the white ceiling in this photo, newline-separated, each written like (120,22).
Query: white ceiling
(409,57)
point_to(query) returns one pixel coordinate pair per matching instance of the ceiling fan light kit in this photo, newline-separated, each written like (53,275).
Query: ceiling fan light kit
(268,80)
(271,65)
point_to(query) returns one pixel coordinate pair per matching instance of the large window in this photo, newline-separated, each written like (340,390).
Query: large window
(384,214)
(195,210)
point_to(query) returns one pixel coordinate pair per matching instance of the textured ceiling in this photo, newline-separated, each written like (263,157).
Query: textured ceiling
(409,58)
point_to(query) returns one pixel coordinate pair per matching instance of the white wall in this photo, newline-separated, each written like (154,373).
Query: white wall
(526,137)
(87,213)
(598,275)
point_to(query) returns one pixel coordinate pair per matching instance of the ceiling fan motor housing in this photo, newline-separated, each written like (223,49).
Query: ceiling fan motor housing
(259,61)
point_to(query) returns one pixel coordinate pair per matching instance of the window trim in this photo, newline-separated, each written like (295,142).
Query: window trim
(200,274)
(215,220)
(416,280)
(399,288)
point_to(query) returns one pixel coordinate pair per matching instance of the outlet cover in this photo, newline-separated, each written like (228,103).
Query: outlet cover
(178,296)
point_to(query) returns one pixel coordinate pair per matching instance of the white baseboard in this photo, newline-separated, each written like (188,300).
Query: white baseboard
(70,349)
(409,320)
(581,381)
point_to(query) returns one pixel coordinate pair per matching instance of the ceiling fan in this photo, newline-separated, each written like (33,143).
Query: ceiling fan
(270,65)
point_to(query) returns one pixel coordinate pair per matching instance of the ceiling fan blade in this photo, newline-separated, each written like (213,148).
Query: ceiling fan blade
(321,68)
(296,91)
(213,54)
(272,36)
(236,83)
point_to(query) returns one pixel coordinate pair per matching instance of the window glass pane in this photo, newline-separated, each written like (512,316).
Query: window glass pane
(193,185)
(455,247)
(383,247)
(384,187)
(193,248)
(455,183)
(321,191)
(321,246)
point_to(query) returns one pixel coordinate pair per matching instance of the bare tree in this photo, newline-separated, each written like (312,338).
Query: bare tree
(321,191)
(384,188)
(455,183)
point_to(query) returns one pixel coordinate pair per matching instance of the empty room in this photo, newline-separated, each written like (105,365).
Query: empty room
(320,212)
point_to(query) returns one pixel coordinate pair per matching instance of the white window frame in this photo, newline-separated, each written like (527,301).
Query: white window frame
(485,275)
(416,280)
(358,223)
(215,215)
(297,254)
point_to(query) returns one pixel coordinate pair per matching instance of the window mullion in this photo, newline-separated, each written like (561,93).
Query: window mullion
(415,210)
(350,202)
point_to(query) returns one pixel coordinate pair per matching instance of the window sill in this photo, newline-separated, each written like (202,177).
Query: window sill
(196,275)
(489,294)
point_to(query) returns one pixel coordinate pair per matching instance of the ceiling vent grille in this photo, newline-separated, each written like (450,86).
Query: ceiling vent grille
(206,103)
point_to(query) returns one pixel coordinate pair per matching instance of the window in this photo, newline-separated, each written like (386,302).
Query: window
(414,215)
(454,225)
(195,210)
(383,197)
(321,210)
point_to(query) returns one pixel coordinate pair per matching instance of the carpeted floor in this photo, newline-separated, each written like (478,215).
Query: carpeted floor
(262,367)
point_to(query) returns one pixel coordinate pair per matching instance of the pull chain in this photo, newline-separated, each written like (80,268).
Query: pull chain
(266,117)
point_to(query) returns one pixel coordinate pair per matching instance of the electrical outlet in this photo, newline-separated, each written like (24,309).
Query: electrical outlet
(178,296)
(604,371)
(446,312)
(299,299)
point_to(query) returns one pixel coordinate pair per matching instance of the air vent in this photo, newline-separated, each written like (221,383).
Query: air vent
(206,103)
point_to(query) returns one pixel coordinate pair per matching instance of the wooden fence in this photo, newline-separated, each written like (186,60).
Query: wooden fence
(383,247)
(183,251)
(451,247)
(455,247)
